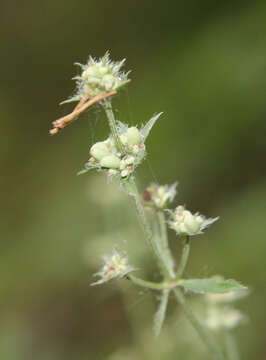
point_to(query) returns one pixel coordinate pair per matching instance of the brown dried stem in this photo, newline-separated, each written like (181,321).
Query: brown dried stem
(80,108)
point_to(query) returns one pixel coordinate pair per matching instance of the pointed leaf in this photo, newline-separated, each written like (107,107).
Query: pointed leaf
(160,315)
(148,126)
(72,99)
(214,286)
(87,167)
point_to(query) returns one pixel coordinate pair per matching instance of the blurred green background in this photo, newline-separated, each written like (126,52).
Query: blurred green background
(200,62)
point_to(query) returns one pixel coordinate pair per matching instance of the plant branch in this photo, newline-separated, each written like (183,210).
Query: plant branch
(65,120)
(165,253)
(148,284)
(231,346)
(184,258)
(112,124)
(203,334)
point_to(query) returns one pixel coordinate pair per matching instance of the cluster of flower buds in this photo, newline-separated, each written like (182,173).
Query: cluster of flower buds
(105,156)
(99,76)
(186,223)
(221,313)
(223,317)
(115,265)
(159,196)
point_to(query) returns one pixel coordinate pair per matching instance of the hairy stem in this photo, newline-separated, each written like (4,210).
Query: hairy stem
(231,346)
(164,247)
(152,239)
(131,187)
(147,284)
(203,334)
(107,105)
(184,258)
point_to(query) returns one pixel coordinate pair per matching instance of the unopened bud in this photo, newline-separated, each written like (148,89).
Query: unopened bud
(111,162)
(99,150)
(133,136)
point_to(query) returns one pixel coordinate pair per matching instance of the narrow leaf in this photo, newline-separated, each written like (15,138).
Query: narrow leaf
(160,314)
(72,99)
(211,286)
(148,126)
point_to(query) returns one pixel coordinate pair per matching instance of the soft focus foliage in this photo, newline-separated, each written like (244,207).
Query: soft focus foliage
(203,65)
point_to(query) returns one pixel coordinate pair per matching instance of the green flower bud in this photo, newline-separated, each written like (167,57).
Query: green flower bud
(99,151)
(184,222)
(191,224)
(133,136)
(108,81)
(123,139)
(110,162)
(103,70)
(90,72)
(123,164)
(125,172)
(130,160)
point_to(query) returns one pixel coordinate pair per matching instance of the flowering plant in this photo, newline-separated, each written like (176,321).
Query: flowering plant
(118,156)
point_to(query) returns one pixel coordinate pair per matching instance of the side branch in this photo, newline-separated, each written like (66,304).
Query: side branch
(80,108)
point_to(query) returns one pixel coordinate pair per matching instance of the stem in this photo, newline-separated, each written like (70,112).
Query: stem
(203,334)
(129,183)
(231,346)
(131,188)
(184,258)
(153,242)
(165,253)
(147,284)
(107,105)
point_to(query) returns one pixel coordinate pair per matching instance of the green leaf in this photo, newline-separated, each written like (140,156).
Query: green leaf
(214,286)
(160,315)
(148,126)
(72,99)
(88,166)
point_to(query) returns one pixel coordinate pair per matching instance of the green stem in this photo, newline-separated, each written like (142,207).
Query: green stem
(231,346)
(148,284)
(184,259)
(131,188)
(107,105)
(165,253)
(203,334)
(165,285)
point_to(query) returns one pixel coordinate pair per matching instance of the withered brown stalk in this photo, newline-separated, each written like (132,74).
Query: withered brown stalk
(80,108)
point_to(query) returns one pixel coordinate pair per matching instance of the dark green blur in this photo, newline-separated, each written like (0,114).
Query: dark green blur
(203,63)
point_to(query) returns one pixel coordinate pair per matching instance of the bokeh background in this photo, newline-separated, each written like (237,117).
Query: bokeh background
(200,62)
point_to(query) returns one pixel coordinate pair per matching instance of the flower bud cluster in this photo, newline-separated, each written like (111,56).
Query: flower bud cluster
(115,265)
(159,196)
(185,223)
(223,317)
(105,156)
(219,311)
(99,76)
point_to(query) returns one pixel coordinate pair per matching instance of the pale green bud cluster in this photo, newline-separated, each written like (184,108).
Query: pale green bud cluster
(106,156)
(185,223)
(160,196)
(100,76)
(220,313)
(115,265)
(223,317)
